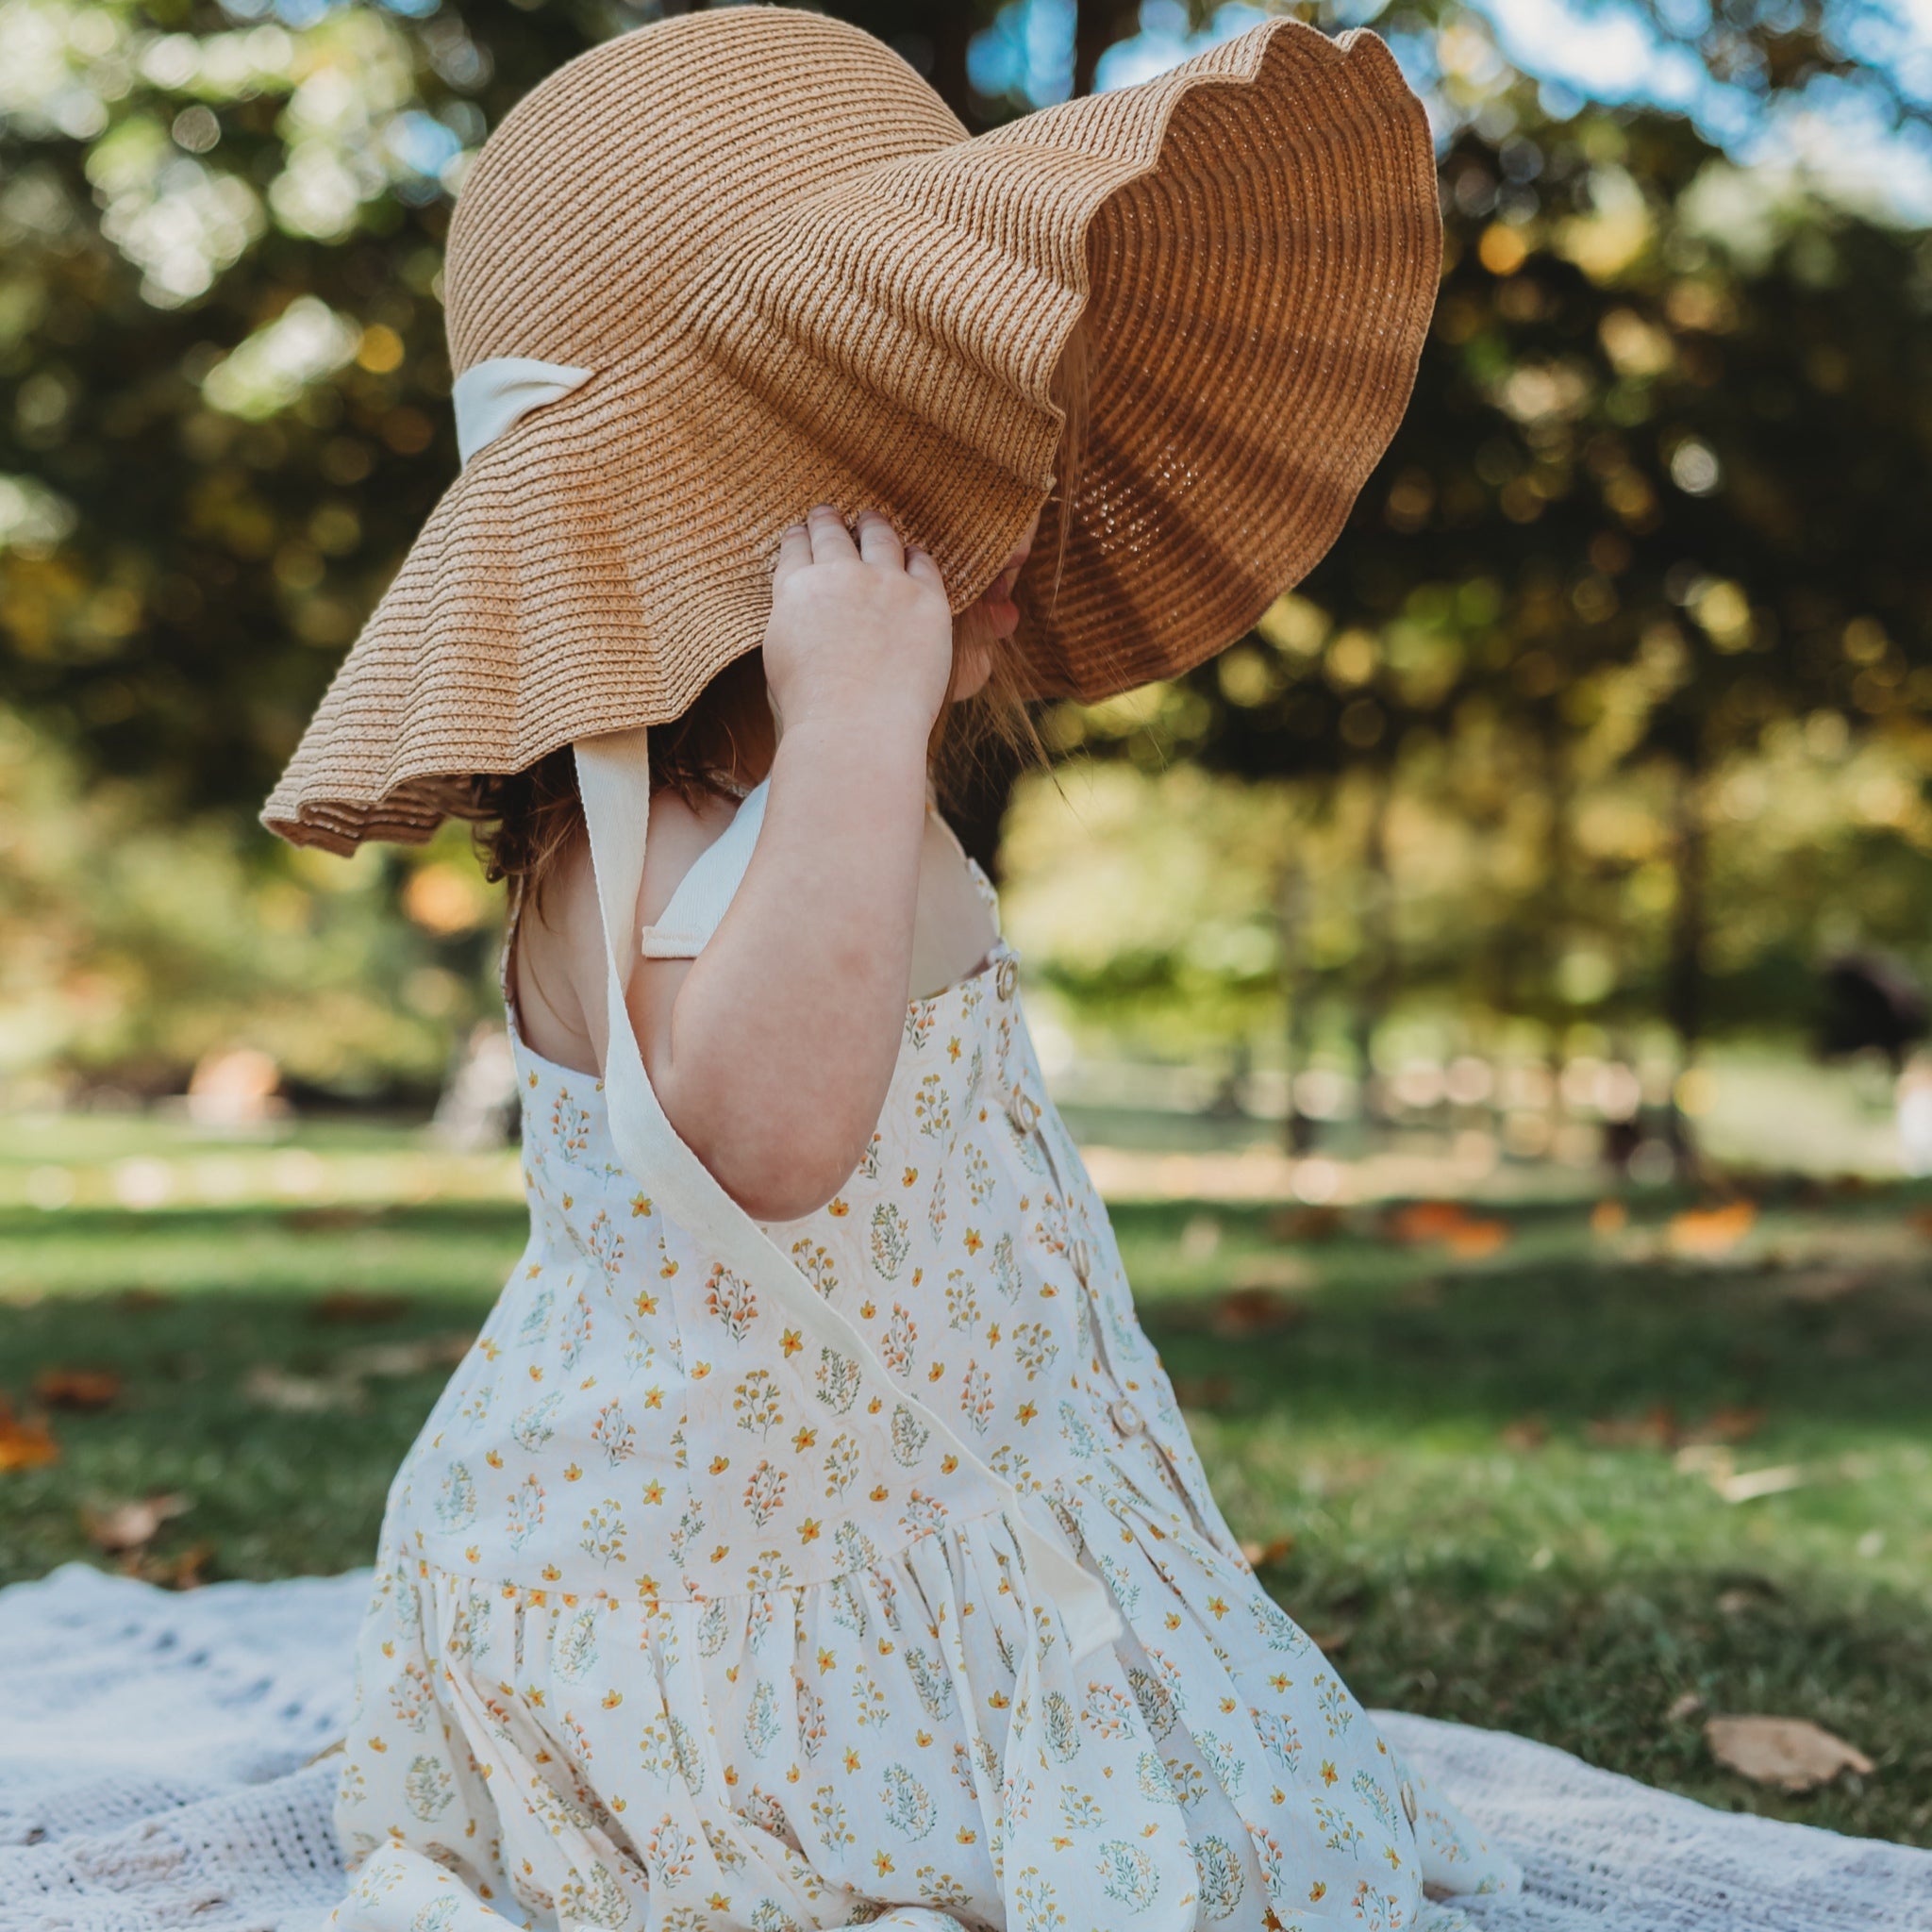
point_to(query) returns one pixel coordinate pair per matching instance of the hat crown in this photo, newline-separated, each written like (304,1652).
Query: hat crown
(611,184)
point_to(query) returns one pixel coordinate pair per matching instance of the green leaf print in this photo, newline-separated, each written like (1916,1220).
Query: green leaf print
(1063,1732)
(535,1425)
(427,1788)
(838,1378)
(1219,1871)
(688,1754)
(909,1805)
(761,1720)
(1128,1874)
(456,1502)
(576,1654)
(891,1242)
(910,1437)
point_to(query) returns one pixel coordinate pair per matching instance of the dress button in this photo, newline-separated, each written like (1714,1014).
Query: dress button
(1008,977)
(1126,1418)
(1082,1259)
(1408,1792)
(1023,1111)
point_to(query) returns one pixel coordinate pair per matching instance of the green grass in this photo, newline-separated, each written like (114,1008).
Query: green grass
(1476,1471)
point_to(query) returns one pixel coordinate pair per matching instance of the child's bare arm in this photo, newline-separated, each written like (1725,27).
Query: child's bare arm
(772,1051)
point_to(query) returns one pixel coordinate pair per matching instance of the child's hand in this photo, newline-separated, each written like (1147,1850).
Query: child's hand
(861,634)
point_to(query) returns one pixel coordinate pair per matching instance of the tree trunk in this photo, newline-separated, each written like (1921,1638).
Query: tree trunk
(1684,974)
(1297,986)
(1098,26)
(1376,982)
(952,29)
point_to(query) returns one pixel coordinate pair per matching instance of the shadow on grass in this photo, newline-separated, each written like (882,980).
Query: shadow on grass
(1551,1330)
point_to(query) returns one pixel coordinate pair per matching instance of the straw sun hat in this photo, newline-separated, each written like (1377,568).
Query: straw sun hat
(745,259)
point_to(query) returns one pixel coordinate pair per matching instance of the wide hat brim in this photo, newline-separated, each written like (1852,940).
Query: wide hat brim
(1254,241)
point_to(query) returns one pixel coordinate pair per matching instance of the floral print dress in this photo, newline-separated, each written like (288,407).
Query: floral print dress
(690,1620)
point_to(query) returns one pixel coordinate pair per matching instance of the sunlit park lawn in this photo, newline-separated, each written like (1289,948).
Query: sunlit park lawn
(1534,1465)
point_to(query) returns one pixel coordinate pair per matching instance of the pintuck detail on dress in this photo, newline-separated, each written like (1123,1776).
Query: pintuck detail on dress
(690,1619)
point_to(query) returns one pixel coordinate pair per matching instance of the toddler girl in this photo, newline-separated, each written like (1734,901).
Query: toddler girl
(811,1537)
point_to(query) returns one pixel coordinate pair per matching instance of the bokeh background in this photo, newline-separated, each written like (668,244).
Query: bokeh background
(1489,993)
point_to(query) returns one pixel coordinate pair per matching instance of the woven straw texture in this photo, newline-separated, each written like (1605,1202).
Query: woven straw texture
(798,281)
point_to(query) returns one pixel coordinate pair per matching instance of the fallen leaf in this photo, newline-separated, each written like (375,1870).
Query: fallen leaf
(1920,1218)
(26,1442)
(125,1527)
(1427,1221)
(1656,1428)
(275,1387)
(1792,1753)
(1609,1217)
(1475,1239)
(1253,1311)
(181,1572)
(76,1388)
(142,1300)
(1725,1424)
(1526,1432)
(1689,1705)
(387,1360)
(356,1304)
(1706,1233)
(1450,1223)
(1260,1555)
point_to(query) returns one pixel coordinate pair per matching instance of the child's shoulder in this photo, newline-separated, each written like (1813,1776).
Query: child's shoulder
(558,969)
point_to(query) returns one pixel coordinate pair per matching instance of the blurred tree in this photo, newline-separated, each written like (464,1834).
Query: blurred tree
(1659,488)
(1658,493)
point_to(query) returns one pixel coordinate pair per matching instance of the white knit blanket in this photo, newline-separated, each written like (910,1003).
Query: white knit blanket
(155,1778)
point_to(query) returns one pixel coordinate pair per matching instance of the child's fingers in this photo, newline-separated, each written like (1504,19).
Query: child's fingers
(831,542)
(795,552)
(878,541)
(919,564)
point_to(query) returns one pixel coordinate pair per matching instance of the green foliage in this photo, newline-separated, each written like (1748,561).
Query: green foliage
(1182,909)
(130,948)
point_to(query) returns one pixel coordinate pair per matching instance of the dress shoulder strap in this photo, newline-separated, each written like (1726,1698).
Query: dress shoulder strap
(696,908)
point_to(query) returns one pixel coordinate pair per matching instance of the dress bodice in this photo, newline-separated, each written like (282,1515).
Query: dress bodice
(633,1401)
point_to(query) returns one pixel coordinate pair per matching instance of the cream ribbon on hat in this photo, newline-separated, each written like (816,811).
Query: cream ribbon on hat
(492,396)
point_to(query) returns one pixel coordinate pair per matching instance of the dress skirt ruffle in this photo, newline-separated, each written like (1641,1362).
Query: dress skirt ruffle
(910,1745)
